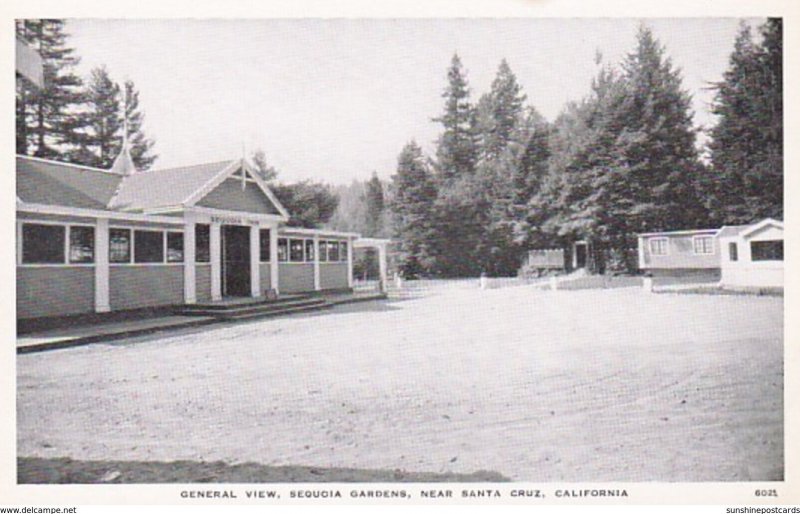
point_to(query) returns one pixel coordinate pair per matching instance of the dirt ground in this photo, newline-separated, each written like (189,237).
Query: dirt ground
(599,385)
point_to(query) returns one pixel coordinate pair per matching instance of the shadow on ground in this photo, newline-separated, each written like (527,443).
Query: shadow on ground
(32,470)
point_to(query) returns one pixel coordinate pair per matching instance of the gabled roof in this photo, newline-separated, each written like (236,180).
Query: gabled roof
(44,182)
(761,224)
(164,188)
(732,230)
(55,183)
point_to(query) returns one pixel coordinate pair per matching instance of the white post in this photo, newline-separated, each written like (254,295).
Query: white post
(398,281)
(350,263)
(189,266)
(647,284)
(554,283)
(382,267)
(255,258)
(273,259)
(317,280)
(215,240)
(483,281)
(102,302)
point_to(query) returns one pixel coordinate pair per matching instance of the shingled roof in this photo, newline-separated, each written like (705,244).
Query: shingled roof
(54,183)
(163,188)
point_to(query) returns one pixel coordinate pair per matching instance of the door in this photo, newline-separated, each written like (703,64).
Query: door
(235,260)
(580,255)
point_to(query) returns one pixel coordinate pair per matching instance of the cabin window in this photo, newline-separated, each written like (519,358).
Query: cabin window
(264,244)
(733,252)
(119,245)
(766,250)
(296,249)
(309,250)
(81,245)
(202,243)
(43,244)
(148,246)
(323,251)
(174,246)
(333,251)
(703,245)
(659,246)
(283,250)
(343,251)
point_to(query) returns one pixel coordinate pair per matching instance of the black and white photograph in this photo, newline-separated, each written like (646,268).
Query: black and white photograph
(401,259)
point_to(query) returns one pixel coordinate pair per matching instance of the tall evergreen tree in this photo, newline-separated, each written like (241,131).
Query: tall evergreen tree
(105,109)
(412,204)
(99,143)
(43,116)
(505,105)
(141,146)
(456,152)
(374,201)
(266,171)
(310,204)
(747,142)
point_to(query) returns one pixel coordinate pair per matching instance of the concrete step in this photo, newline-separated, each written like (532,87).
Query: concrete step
(238,316)
(244,302)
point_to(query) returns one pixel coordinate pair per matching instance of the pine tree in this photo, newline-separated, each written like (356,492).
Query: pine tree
(747,142)
(505,109)
(141,145)
(44,126)
(456,152)
(102,118)
(311,204)
(266,171)
(412,204)
(374,201)
(100,142)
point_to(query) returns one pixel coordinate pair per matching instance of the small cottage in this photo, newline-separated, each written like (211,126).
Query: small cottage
(752,256)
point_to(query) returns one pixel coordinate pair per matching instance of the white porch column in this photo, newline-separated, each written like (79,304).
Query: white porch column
(255,258)
(102,302)
(317,281)
(382,266)
(189,267)
(273,258)
(350,263)
(215,241)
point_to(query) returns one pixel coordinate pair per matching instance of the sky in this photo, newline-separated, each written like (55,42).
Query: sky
(336,99)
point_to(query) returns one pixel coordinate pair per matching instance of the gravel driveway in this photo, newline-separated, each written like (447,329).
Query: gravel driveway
(600,385)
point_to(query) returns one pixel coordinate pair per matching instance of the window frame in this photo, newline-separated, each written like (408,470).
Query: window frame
(197,261)
(774,241)
(168,233)
(696,239)
(285,258)
(294,240)
(66,262)
(144,228)
(652,240)
(733,251)
(261,257)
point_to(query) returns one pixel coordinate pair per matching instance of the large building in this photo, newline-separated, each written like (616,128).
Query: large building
(91,240)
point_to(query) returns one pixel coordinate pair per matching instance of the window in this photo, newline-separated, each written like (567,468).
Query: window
(174,246)
(323,251)
(733,251)
(766,250)
(148,246)
(119,245)
(296,250)
(264,245)
(202,243)
(81,245)
(343,251)
(703,245)
(283,250)
(658,246)
(333,251)
(43,244)
(309,250)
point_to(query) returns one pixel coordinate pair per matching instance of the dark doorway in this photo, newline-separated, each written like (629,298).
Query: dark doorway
(580,255)
(235,260)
